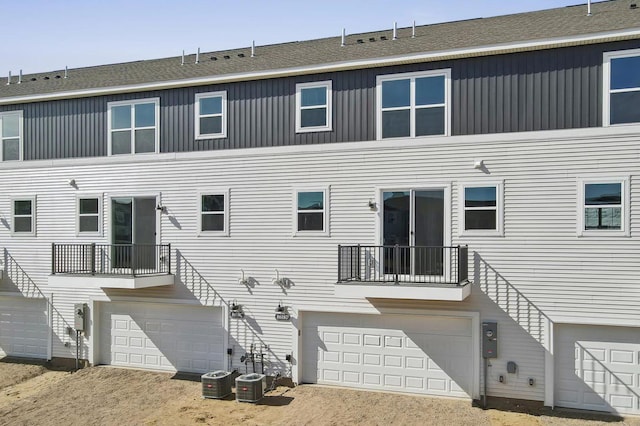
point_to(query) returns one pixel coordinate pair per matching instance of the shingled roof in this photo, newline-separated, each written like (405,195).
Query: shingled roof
(566,22)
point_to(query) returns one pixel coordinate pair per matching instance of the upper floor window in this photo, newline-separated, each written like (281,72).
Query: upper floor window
(481,209)
(11,135)
(621,87)
(89,214)
(211,112)
(313,107)
(311,211)
(413,104)
(603,205)
(214,213)
(133,126)
(23,213)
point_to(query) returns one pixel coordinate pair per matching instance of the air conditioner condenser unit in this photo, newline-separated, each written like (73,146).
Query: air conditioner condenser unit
(250,387)
(216,384)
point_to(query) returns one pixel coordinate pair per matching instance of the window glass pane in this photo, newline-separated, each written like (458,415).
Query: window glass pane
(430,121)
(625,73)
(310,200)
(396,93)
(211,125)
(212,222)
(11,149)
(121,117)
(22,224)
(395,124)
(479,219)
(88,223)
(396,214)
(213,203)
(121,142)
(145,115)
(145,140)
(480,197)
(603,218)
(313,96)
(602,193)
(313,117)
(10,126)
(625,107)
(310,222)
(211,105)
(430,90)
(22,207)
(88,206)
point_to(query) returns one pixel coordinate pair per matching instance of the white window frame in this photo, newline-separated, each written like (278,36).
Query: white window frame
(223,115)
(499,231)
(132,129)
(214,191)
(328,84)
(97,233)
(606,84)
(326,191)
(19,113)
(446,72)
(624,207)
(32,199)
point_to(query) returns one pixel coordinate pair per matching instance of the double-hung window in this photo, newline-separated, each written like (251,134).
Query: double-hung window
(313,107)
(621,87)
(311,211)
(11,135)
(211,115)
(413,104)
(481,209)
(214,213)
(23,215)
(133,126)
(603,205)
(89,215)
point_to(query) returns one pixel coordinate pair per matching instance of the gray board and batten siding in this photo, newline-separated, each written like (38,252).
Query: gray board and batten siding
(528,91)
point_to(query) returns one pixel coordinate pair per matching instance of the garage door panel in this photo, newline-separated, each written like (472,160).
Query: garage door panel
(24,330)
(378,353)
(598,368)
(161,337)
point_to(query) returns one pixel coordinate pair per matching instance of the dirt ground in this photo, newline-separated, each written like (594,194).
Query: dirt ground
(33,394)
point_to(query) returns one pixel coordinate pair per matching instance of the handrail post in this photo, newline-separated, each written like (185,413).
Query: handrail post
(93,258)
(396,260)
(169,248)
(358,265)
(339,262)
(53,258)
(133,260)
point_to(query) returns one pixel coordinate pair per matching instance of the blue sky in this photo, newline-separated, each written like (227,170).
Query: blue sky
(46,35)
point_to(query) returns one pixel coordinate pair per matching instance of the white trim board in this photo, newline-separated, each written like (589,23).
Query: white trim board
(495,49)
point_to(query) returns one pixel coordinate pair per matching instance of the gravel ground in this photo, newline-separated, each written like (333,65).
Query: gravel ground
(31,394)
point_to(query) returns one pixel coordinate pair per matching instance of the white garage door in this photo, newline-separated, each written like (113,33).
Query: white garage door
(416,354)
(23,327)
(598,368)
(161,336)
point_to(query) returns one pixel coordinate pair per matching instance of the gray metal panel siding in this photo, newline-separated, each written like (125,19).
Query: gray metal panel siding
(542,90)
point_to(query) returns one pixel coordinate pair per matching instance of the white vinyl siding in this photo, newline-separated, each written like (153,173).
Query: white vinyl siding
(11,139)
(211,115)
(313,107)
(23,215)
(134,126)
(621,87)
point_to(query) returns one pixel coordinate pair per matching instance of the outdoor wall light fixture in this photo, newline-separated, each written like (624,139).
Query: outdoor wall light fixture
(235,311)
(161,208)
(243,280)
(71,182)
(281,308)
(277,280)
(478,164)
(372,204)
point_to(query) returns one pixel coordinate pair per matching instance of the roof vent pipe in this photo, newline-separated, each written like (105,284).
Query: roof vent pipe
(589,8)
(198,56)
(395,30)
(182,61)
(253,48)
(9,79)
(344,36)
(66,71)
(413,30)
(20,77)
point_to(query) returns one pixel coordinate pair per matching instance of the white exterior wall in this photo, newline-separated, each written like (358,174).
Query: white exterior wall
(540,267)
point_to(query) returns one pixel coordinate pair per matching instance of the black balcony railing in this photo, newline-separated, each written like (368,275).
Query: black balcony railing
(403,264)
(111,259)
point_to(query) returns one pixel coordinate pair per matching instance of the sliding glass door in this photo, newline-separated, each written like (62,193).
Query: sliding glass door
(133,232)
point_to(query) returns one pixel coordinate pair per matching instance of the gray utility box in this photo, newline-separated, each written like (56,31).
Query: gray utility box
(490,340)
(216,384)
(80,316)
(250,387)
